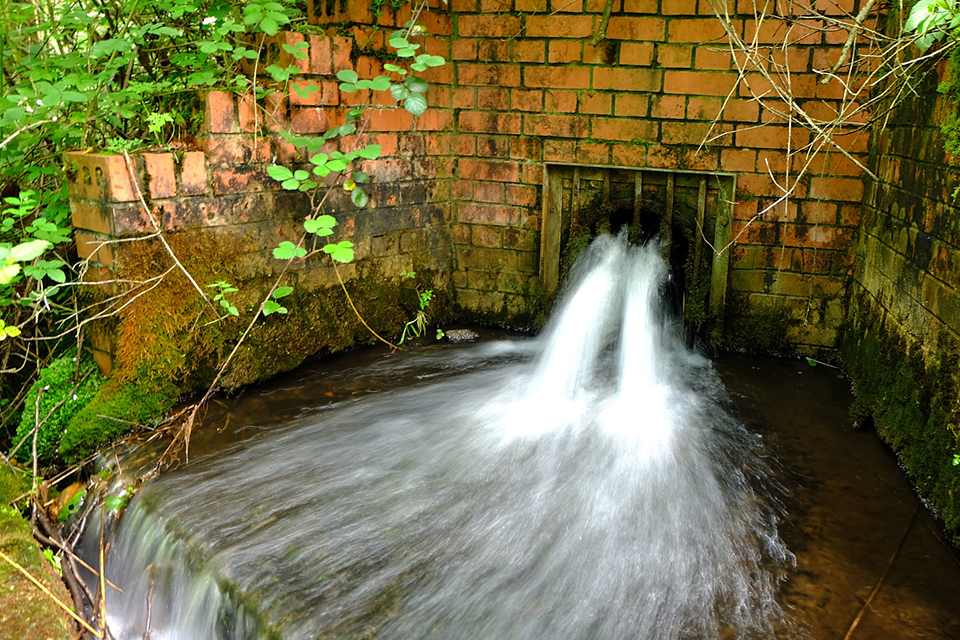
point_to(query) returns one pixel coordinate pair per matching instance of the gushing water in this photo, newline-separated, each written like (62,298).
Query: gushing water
(585,485)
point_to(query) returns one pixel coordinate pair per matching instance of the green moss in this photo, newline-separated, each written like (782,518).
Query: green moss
(911,399)
(25,612)
(757,327)
(130,403)
(12,485)
(58,381)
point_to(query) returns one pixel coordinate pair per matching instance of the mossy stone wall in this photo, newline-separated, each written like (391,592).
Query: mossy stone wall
(902,336)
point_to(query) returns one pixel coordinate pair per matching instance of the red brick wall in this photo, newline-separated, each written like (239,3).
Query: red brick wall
(525,87)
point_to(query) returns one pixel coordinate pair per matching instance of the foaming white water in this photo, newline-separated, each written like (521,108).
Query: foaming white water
(590,487)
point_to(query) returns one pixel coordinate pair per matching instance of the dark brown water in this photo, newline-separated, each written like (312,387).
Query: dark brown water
(850,507)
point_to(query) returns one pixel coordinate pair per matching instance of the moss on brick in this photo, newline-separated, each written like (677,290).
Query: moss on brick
(758,327)
(911,398)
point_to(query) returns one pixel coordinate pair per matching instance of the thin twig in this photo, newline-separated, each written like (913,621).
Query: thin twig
(883,577)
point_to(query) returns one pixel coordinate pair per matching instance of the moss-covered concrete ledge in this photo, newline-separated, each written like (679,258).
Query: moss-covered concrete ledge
(25,611)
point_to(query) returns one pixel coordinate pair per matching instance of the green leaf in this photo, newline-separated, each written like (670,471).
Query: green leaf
(279,172)
(348,75)
(341,251)
(416,85)
(360,177)
(287,250)
(399,92)
(431,61)
(370,152)
(415,103)
(115,503)
(380,83)
(28,251)
(281,292)
(271,307)
(269,26)
(359,197)
(321,225)
(336,165)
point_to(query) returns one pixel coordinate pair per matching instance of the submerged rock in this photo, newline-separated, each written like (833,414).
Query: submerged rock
(461,335)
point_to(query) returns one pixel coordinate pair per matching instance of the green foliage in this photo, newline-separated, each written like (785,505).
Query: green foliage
(72,506)
(931,21)
(59,384)
(272,306)
(418,326)
(223,288)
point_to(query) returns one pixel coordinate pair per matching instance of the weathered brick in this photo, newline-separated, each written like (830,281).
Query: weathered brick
(557,101)
(559,150)
(520,240)
(529,51)
(635,79)
(193,173)
(593,153)
(564,51)
(559,26)
(526,148)
(555,126)
(631,105)
(464,145)
(497,170)
(463,49)
(796,235)
(668,107)
(495,75)
(243,180)
(738,160)
(640,6)
(484,236)
(680,7)
(596,103)
(699,82)
(94,247)
(713,59)
(488,191)
(849,189)
(526,100)
(520,195)
(161,175)
(219,114)
(495,99)
(91,217)
(235,149)
(557,77)
(632,28)
(487,26)
(493,146)
(309,120)
(695,30)
(493,50)
(694,133)
(484,122)
(624,129)
(636,54)
(674,55)
(491,214)
(321,55)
